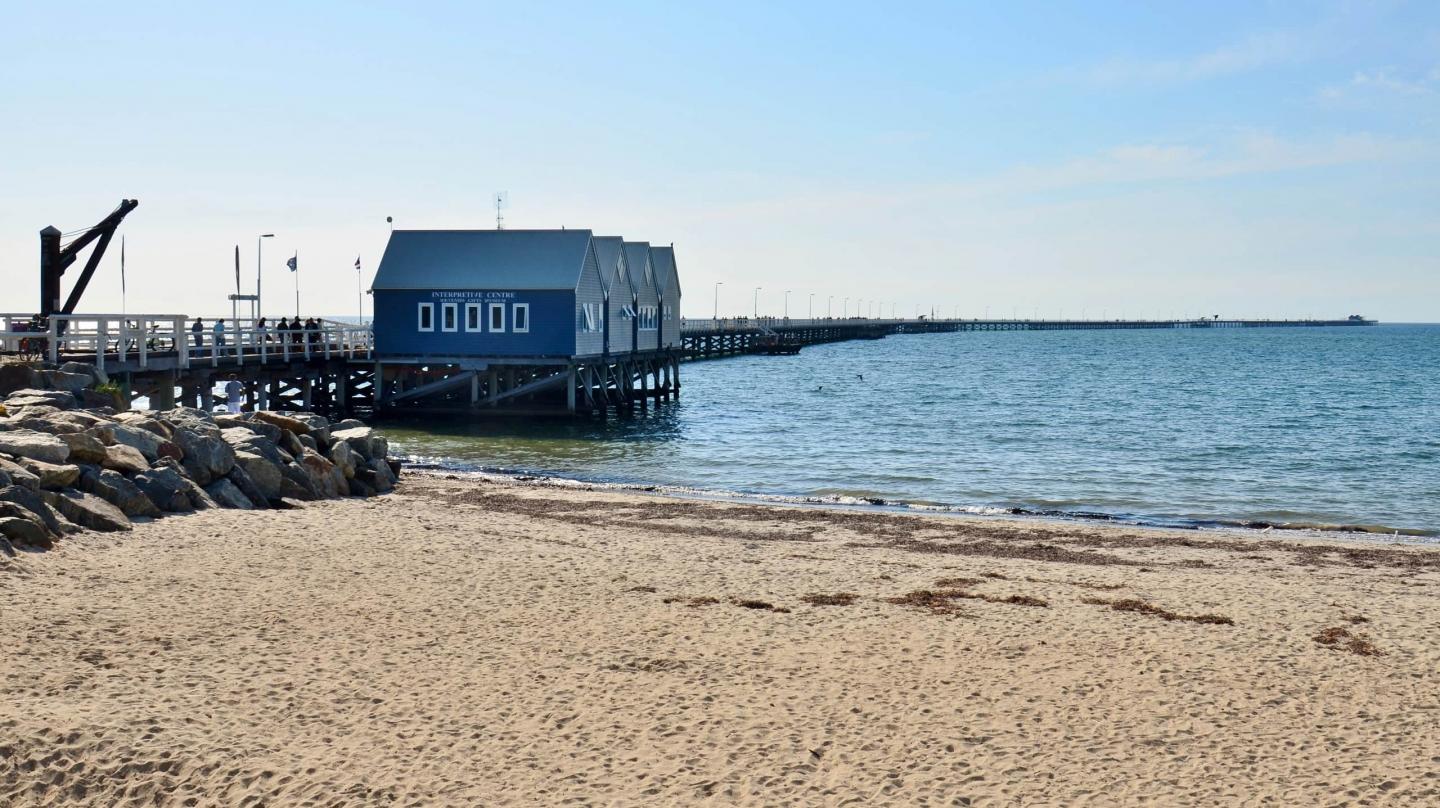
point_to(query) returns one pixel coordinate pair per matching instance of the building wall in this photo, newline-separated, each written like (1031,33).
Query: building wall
(622,329)
(646,295)
(670,326)
(589,291)
(552,324)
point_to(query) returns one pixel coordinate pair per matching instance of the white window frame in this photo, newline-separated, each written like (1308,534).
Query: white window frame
(474,308)
(453,311)
(515,318)
(647,318)
(490,318)
(424,312)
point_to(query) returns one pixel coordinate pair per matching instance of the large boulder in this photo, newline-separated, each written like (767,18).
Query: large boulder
(88,511)
(247,486)
(114,488)
(360,438)
(166,487)
(290,442)
(227,495)
(19,475)
(344,458)
(247,441)
(146,422)
(33,397)
(295,425)
(17,376)
(95,374)
(124,459)
(384,479)
(206,456)
(32,502)
(262,428)
(84,448)
(328,479)
(69,382)
(34,445)
(52,475)
(190,418)
(142,440)
(295,483)
(348,423)
(319,426)
(82,418)
(265,475)
(359,488)
(25,533)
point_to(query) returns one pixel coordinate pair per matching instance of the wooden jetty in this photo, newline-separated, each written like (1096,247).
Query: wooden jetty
(712,339)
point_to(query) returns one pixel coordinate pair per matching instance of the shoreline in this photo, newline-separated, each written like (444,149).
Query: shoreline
(504,643)
(1252,528)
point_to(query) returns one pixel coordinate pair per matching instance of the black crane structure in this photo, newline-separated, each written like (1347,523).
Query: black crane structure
(55,258)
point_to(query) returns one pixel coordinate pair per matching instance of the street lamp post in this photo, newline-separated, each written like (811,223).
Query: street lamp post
(828,304)
(259,243)
(756,312)
(810,313)
(845,309)
(787,304)
(718,284)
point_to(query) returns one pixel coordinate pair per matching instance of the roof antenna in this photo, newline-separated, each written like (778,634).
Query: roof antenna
(502,201)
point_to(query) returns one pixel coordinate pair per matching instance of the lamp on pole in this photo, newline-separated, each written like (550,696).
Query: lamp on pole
(718,284)
(811,312)
(787,304)
(827,306)
(756,312)
(259,243)
(845,309)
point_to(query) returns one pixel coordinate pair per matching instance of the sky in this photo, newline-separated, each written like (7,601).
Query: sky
(1246,159)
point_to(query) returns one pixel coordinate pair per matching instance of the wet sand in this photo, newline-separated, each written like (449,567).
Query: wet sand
(483,643)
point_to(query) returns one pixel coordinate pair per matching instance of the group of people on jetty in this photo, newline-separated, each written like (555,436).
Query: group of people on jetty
(298,332)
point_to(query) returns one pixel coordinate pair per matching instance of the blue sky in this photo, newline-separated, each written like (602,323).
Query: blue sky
(1247,159)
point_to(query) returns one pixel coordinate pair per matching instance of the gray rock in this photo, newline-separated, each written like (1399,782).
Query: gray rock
(228,495)
(44,423)
(380,445)
(100,401)
(348,423)
(384,479)
(114,488)
(247,441)
(34,503)
(296,474)
(309,442)
(82,418)
(285,421)
(83,448)
(124,459)
(247,486)
(5,479)
(16,376)
(360,438)
(192,419)
(19,475)
(290,442)
(344,458)
(265,430)
(292,490)
(85,368)
(165,487)
(69,382)
(146,422)
(25,533)
(318,425)
(328,479)
(360,488)
(35,445)
(394,463)
(32,397)
(52,475)
(265,475)
(88,511)
(207,457)
(142,440)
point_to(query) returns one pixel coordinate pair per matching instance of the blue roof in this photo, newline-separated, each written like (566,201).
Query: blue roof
(483,259)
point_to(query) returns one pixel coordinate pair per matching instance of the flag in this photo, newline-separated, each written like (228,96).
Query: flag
(293,263)
(237,269)
(357,263)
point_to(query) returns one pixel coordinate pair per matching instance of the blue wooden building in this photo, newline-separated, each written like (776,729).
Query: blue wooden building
(647,296)
(490,293)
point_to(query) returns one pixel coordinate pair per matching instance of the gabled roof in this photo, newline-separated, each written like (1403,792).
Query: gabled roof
(610,254)
(637,258)
(666,274)
(483,259)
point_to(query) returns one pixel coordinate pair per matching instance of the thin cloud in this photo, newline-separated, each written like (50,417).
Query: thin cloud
(1384,82)
(1254,52)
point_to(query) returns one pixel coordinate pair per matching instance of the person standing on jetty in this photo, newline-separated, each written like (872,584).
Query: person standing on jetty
(233,390)
(260,334)
(198,329)
(219,336)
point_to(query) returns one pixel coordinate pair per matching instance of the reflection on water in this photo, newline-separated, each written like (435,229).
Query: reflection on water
(1330,426)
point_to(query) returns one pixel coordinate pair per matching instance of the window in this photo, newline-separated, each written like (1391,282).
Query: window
(427,316)
(472,316)
(448,315)
(648,315)
(497,318)
(520,318)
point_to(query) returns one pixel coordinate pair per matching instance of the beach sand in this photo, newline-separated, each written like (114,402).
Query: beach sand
(483,643)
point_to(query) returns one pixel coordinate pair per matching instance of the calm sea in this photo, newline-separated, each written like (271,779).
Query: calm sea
(1286,427)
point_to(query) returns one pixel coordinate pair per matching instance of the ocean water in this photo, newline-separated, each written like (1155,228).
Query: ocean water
(1333,427)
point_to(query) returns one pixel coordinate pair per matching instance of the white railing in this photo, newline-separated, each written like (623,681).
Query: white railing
(765,323)
(111,339)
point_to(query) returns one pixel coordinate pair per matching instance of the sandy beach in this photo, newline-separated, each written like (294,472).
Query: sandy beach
(484,643)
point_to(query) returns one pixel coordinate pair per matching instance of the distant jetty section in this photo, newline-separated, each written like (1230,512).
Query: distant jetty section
(712,339)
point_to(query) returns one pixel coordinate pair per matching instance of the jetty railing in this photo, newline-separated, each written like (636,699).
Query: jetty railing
(139,340)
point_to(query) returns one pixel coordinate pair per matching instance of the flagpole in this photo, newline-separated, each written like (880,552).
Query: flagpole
(296,259)
(359,300)
(123,310)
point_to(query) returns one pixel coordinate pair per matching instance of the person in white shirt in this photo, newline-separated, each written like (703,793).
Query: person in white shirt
(233,390)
